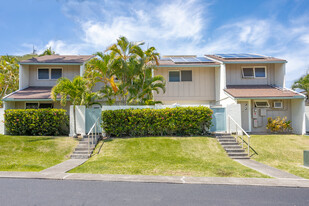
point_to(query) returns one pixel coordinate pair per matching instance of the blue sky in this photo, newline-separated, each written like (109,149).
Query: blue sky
(277,28)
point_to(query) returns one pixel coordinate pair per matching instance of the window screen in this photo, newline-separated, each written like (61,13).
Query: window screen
(261,104)
(248,72)
(45,105)
(260,72)
(32,105)
(174,76)
(186,75)
(43,73)
(56,73)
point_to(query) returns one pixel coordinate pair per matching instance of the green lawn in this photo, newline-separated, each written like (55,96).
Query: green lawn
(22,153)
(284,152)
(176,156)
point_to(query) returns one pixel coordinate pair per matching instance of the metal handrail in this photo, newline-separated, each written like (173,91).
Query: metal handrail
(243,132)
(90,133)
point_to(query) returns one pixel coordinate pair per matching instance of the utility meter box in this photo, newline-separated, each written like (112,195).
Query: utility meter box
(306,158)
(255,123)
(255,113)
(263,112)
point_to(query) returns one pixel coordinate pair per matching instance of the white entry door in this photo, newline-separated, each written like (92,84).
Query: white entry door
(244,115)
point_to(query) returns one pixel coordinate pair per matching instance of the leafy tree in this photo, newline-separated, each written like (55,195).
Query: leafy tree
(77,91)
(48,51)
(126,71)
(302,83)
(9,73)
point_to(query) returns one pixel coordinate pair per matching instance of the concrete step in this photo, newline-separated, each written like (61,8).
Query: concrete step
(227,140)
(83,148)
(237,154)
(229,144)
(86,142)
(79,156)
(240,157)
(223,139)
(236,146)
(230,150)
(82,152)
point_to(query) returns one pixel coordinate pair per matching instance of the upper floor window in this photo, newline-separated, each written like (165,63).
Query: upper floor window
(43,73)
(49,73)
(177,76)
(254,72)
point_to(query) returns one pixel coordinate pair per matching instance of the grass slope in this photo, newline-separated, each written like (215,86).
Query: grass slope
(176,156)
(23,153)
(284,152)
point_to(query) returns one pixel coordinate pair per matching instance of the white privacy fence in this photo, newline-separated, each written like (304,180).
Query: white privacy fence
(85,116)
(2,128)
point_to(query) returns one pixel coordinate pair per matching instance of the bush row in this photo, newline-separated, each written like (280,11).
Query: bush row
(51,122)
(180,121)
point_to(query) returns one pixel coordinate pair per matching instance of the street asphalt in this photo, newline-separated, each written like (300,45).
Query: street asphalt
(60,192)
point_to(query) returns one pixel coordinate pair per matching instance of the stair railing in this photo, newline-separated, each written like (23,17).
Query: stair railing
(239,134)
(93,134)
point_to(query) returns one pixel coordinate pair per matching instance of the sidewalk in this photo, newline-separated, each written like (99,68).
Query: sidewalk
(267,170)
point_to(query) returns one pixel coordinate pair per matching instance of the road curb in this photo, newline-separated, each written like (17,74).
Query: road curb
(279,182)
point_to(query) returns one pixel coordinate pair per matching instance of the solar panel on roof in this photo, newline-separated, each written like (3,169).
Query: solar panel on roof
(190,59)
(238,56)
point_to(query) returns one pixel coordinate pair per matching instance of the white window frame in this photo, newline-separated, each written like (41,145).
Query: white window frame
(253,67)
(278,102)
(261,101)
(49,72)
(179,75)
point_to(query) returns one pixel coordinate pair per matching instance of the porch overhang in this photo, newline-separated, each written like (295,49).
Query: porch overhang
(31,94)
(247,92)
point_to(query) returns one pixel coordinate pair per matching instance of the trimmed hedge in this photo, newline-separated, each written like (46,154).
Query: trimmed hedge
(51,122)
(180,121)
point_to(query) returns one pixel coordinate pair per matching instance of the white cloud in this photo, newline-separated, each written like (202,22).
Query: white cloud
(181,27)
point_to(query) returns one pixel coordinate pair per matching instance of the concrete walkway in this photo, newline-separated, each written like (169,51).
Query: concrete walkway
(267,170)
(64,166)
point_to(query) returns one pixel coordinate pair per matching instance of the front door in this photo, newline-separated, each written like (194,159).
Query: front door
(244,115)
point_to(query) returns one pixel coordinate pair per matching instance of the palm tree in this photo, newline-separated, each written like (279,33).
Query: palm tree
(303,84)
(76,91)
(9,75)
(124,64)
(48,51)
(133,68)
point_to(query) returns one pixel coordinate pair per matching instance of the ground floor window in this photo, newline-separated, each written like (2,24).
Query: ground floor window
(39,105)
(32,105)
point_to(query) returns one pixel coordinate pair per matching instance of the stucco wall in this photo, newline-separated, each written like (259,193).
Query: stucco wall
(202,87)
(69,71)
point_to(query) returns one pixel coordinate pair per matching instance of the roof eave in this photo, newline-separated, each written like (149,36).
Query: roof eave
(253,62)
(21,63)
(22,100)
(294,97)
(189,65)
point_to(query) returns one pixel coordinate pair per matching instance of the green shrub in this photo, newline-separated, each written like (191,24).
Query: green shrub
(180,121)
(51,122)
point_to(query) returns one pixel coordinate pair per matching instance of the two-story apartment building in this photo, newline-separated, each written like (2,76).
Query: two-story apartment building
(38,75)
(255,82)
